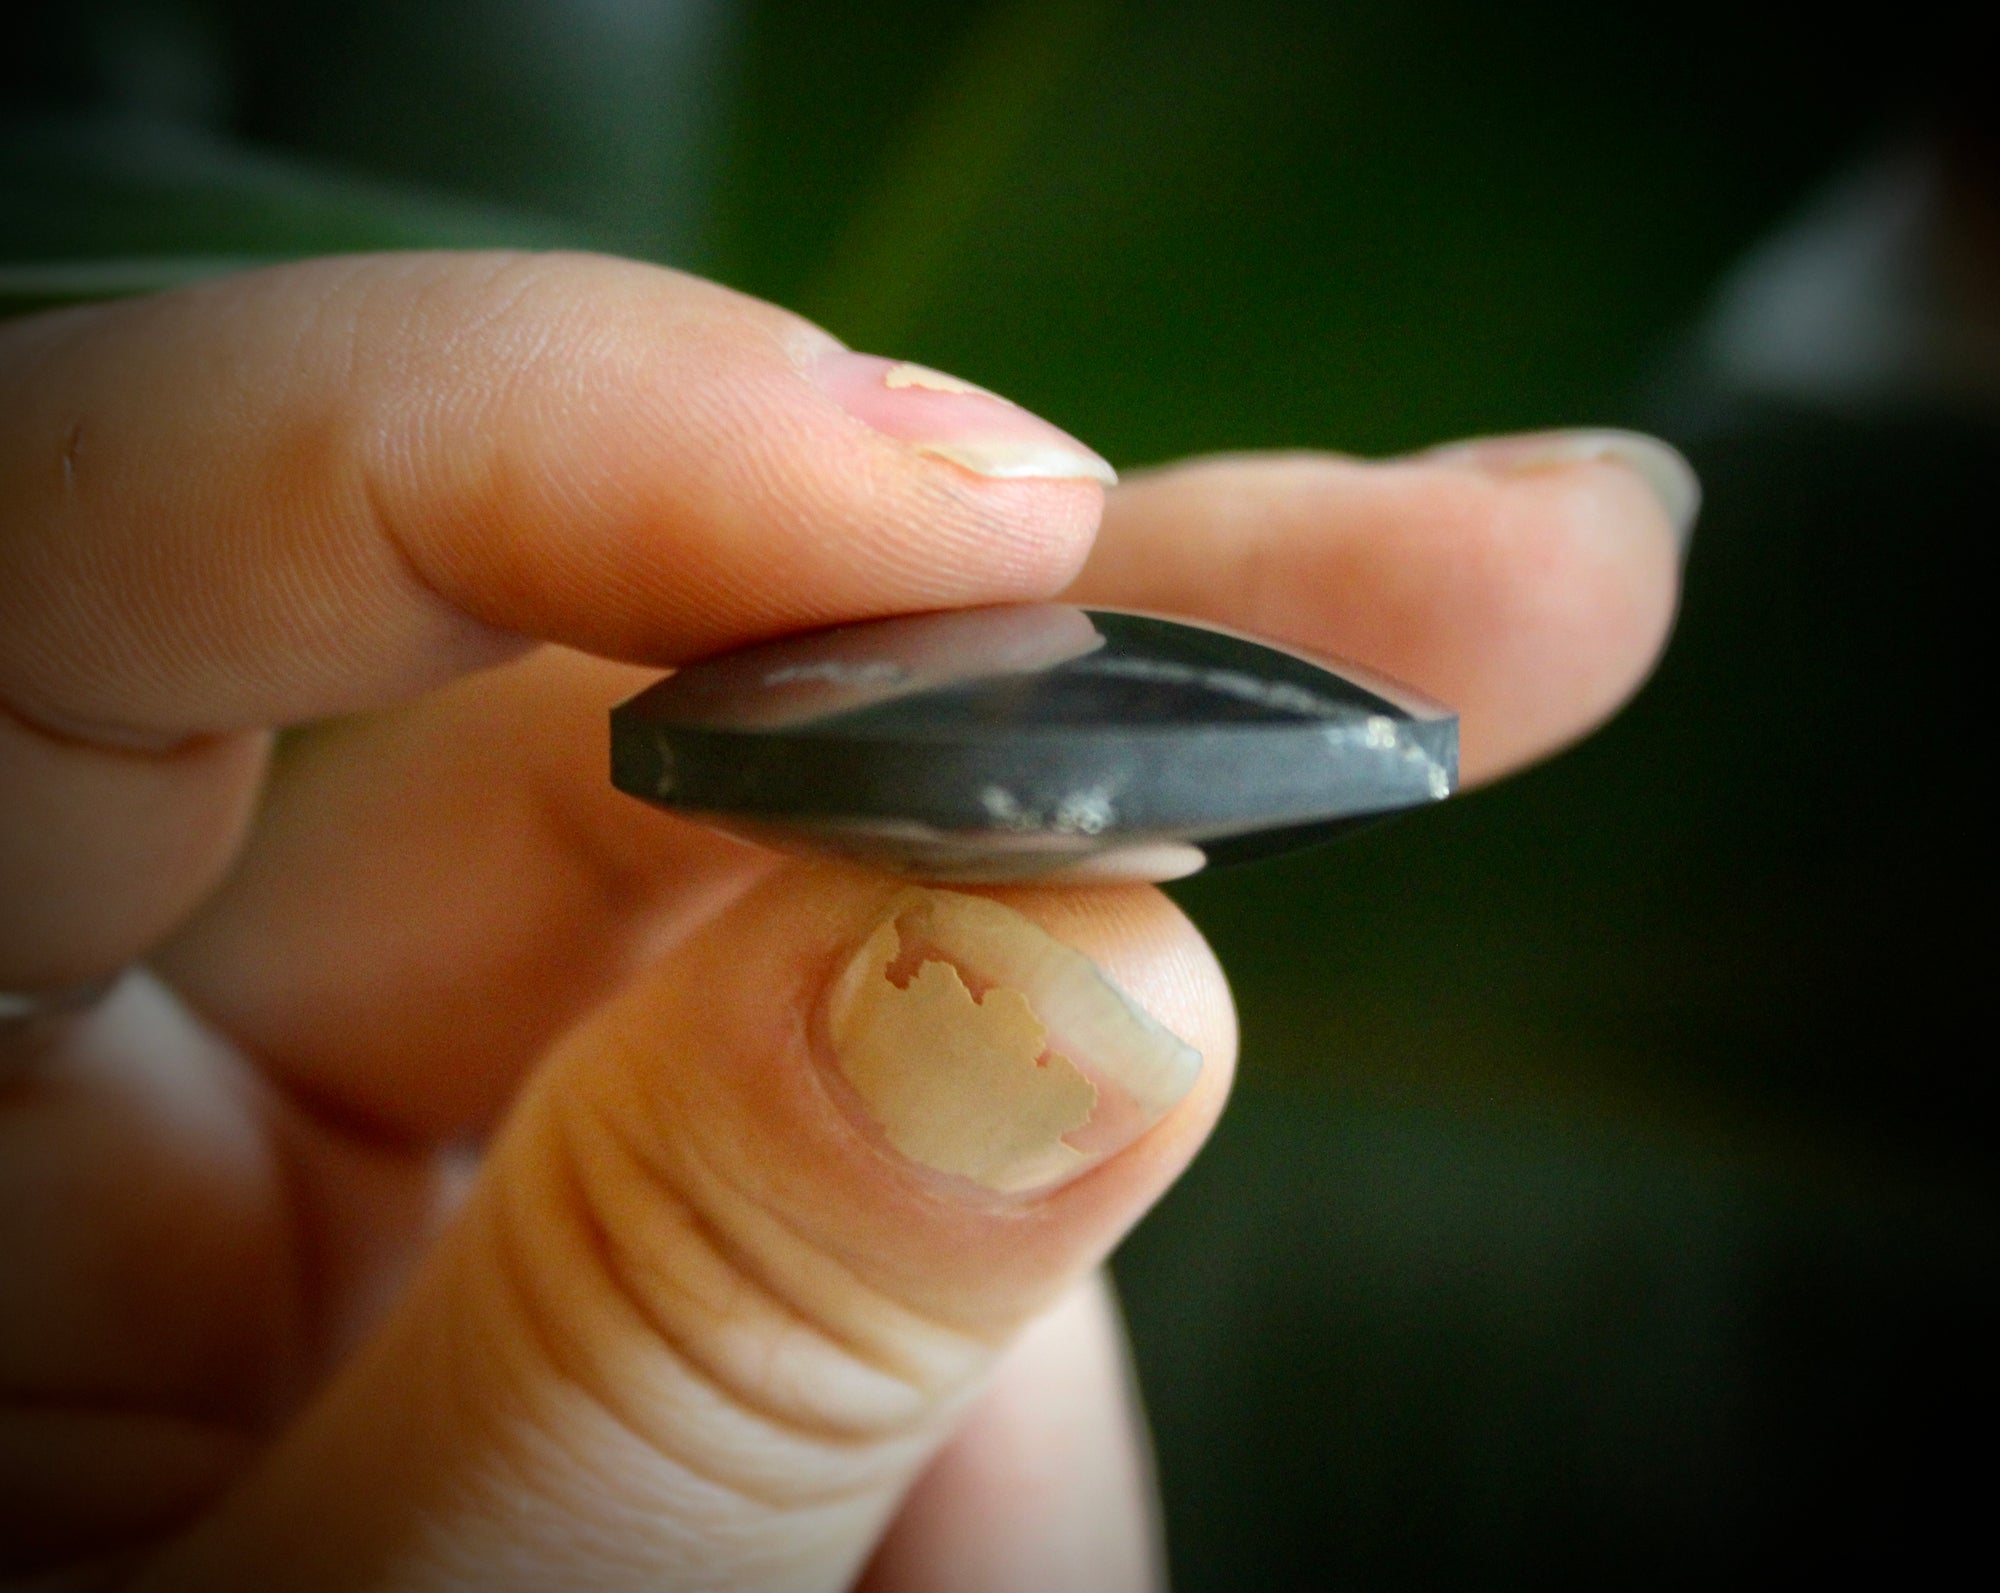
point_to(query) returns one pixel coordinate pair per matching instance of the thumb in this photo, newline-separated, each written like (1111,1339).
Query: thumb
(748,1246)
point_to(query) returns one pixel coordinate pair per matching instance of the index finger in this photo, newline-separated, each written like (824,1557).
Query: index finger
(318,488)
(311,489)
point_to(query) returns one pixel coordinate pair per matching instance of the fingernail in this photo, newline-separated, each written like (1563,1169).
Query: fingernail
(951,419)
(983,1048)
(1659,465)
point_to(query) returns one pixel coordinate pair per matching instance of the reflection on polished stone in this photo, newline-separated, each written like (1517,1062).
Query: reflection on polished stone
(1031,741)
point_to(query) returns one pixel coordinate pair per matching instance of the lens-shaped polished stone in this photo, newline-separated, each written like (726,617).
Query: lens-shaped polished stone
(1032,740)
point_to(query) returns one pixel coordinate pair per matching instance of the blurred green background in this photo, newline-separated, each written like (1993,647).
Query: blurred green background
(1608,1196)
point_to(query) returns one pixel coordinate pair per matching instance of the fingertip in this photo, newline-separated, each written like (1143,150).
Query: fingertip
(1573,604)
(1661,467)
(1531,597)
(658,468)
(885,1111)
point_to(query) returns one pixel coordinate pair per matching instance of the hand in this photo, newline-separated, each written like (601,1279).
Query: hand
(687,1316)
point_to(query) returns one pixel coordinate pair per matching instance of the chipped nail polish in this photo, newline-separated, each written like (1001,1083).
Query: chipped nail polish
(953,420)
(985,1049)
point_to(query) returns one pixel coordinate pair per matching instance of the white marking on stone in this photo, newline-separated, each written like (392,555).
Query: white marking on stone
(1086,813)
(876,673)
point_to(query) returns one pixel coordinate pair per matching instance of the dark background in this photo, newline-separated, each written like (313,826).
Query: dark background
(1607,1197)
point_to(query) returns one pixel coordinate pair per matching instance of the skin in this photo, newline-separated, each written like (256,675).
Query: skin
(676,1320)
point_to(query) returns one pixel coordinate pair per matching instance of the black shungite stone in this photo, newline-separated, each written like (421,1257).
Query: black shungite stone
(1038,739)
